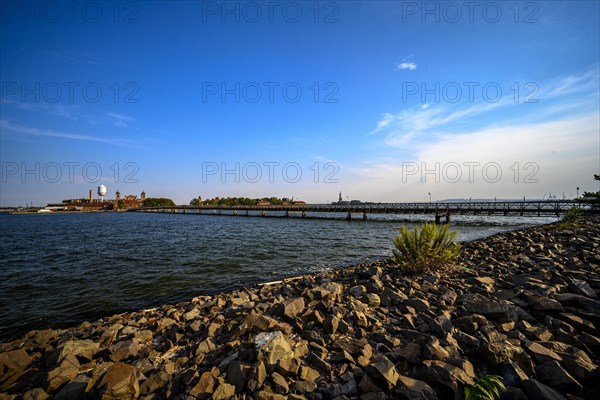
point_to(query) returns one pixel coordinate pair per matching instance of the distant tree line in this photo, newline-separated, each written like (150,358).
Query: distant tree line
(591,197)
(158,202)
(238,201)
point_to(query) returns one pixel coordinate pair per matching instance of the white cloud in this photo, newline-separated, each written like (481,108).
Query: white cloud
(403,129)
(120,120)
(558,136)
(534,159)
(383,122)
(406,65)
(6,125)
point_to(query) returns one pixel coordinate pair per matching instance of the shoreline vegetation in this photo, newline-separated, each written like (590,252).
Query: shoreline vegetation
(522,305)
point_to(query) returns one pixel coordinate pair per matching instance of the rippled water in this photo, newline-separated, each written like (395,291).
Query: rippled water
(60,269)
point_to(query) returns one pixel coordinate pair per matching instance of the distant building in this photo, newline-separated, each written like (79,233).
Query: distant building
(341,201)
(89,204)
(131,201)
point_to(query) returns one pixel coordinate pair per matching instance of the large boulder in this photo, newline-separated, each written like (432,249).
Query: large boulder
(82,349)
(384,371)
(119,383)
(272,347)
(538,391)
(448,378)
(413,389)
(555,376)
(476,303)
(67,370)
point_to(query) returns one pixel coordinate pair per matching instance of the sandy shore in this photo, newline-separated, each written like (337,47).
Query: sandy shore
(524,305)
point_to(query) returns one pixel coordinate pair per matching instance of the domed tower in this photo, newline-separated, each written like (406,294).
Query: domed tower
(101,192)
(118,195)
(143,196)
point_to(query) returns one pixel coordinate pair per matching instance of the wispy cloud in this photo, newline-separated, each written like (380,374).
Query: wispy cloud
(6,125)
(403,129)
(533,159)
(386,119)
(120,120)
(406,65)
(75,112)
(558,136)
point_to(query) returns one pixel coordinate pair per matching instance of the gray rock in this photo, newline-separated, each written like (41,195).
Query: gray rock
(191,315)
(357,291)
(372,300)
(440,326)
(476,303)
(119,382)
(449,297)
(124,350)
(540,353)
(238,374)
(411,353)
(583,287)
(578,323)
(75,389)
(538,391)
(413,389)
(418,304)
(465,340)
(154,382)
(223,391)
(318,363)
(555,376)
(82,349)
(447,375)
(308,374)
(331,323)
(279,383)
(13,362)
(513,375)
(391,297)
(584,302)
(33,394)
(257,377)
(294,307)
(272,347)
(383,370)
(67,370)
(304,386)
(541,303)
(288,367)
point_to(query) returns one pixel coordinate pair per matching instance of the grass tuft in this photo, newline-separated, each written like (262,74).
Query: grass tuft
(426,248)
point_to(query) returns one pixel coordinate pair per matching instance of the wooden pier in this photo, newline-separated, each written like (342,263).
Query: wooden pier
(441,211)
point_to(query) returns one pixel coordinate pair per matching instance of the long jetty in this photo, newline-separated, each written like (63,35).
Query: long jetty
(438,209)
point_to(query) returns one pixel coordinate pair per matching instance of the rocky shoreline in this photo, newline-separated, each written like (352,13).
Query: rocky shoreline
(524,305)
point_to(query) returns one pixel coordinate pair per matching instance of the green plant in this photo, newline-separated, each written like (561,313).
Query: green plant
(573,214)
(487,388)
(158,202)
(426,249)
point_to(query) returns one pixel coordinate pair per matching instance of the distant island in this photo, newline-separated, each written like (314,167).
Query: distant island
(246,201)
(100,203)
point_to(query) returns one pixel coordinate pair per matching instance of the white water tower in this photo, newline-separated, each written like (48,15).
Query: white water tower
(102,192)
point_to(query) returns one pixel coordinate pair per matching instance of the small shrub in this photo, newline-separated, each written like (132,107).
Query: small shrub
(573,214)
(426,249)
(487,388)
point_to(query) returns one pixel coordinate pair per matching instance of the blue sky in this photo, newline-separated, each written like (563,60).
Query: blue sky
(384,101)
